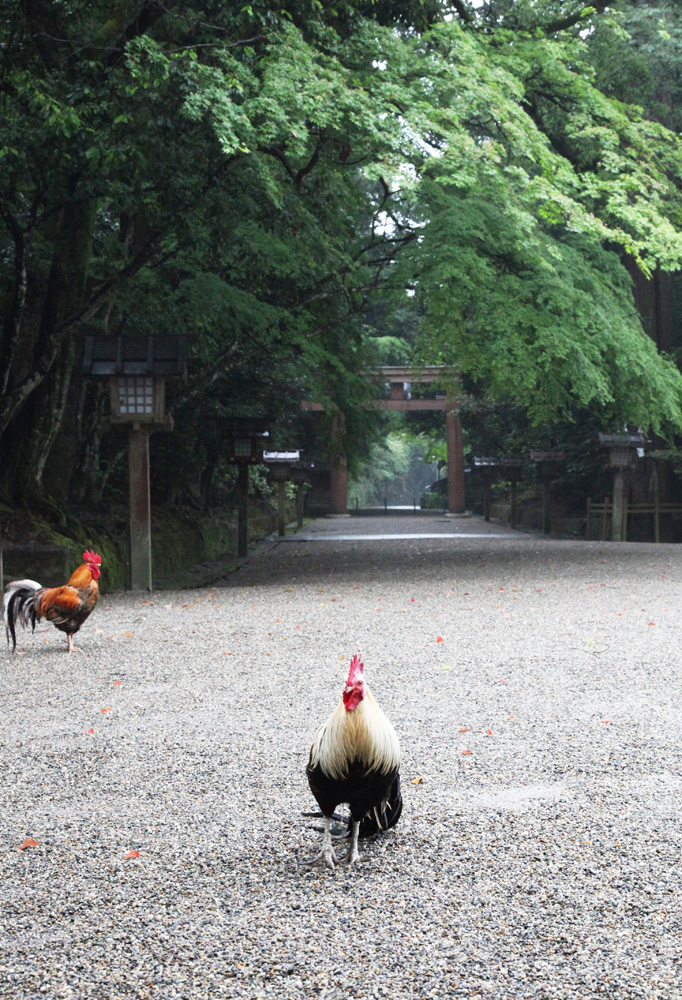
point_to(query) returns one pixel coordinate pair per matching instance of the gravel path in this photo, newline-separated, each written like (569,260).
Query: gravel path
(535,685)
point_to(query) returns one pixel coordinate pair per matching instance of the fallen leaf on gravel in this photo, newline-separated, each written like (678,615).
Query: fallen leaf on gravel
(105,709)
(91,732)
(489,733)
(117,682)
(447,666)
(439,639)
(132,854)
(463,730)
(29,842)
(130,633)
(606,721)
(418,781)
(464,752)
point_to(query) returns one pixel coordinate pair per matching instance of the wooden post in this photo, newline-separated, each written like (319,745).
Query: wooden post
(140,509)
(617,518)
(604,519)
(657,521)
(513,511)
(339,466)
(300,496)
(281,507)
(243,510)
(546,505)
(487,491)
(455,456)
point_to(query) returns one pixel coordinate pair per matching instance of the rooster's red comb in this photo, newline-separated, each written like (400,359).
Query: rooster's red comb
(91,557)
(356,668)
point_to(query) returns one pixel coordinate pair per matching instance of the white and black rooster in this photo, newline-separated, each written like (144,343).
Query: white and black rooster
(355,759)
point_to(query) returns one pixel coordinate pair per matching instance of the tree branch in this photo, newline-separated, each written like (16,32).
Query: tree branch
(562,23)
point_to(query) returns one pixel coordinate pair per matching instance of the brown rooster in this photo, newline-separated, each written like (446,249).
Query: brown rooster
(66,607)
(355,759)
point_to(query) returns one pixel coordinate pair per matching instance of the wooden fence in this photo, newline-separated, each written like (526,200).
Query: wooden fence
(602,510)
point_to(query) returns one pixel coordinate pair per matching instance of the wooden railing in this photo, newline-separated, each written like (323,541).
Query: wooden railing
(603,511)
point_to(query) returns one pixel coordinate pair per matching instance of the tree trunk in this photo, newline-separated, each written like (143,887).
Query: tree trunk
(36,407)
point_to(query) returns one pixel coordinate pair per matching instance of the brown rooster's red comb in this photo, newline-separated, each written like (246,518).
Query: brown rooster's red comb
(91,557)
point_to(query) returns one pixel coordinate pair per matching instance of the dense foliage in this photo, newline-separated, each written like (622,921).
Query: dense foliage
(274,176)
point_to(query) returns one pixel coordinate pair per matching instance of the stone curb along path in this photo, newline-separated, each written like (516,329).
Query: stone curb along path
(535,686)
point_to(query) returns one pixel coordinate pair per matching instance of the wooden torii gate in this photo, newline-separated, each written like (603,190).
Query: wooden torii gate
(400,379)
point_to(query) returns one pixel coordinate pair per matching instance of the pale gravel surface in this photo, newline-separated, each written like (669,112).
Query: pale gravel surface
(546,863)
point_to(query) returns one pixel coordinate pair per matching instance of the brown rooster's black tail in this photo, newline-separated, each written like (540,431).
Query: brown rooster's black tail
(20,607)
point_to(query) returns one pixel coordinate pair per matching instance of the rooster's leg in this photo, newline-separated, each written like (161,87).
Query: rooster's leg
(353,854)
(326,851)
(72,648)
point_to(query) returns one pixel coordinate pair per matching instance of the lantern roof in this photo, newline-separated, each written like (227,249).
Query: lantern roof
(159,356)
(621,440)
(281,456)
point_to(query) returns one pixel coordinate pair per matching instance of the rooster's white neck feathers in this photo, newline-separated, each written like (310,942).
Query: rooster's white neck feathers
(364,735)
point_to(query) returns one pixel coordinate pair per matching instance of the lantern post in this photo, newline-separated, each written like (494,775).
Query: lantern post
(487,467)
(246,449)
(548,464)
(299,475)
(280,464)
(137,368)
(512,468)
(622,451)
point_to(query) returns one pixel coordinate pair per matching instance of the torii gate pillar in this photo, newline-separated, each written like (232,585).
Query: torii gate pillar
(338,501)
(455,454)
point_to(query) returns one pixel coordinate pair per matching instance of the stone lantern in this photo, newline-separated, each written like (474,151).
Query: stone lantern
(246,437)
(623,450)
(512,469)
(280,464)
(486,466)
(300,476)
(137,368)
(548,465)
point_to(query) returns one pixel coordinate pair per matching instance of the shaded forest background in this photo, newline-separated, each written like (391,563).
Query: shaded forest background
(314,188)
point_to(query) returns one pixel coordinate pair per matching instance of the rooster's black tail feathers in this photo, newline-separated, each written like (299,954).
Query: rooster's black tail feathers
(380,819)
(20,607)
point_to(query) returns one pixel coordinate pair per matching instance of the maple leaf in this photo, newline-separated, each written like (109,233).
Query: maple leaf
(132,854)
(29,842)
